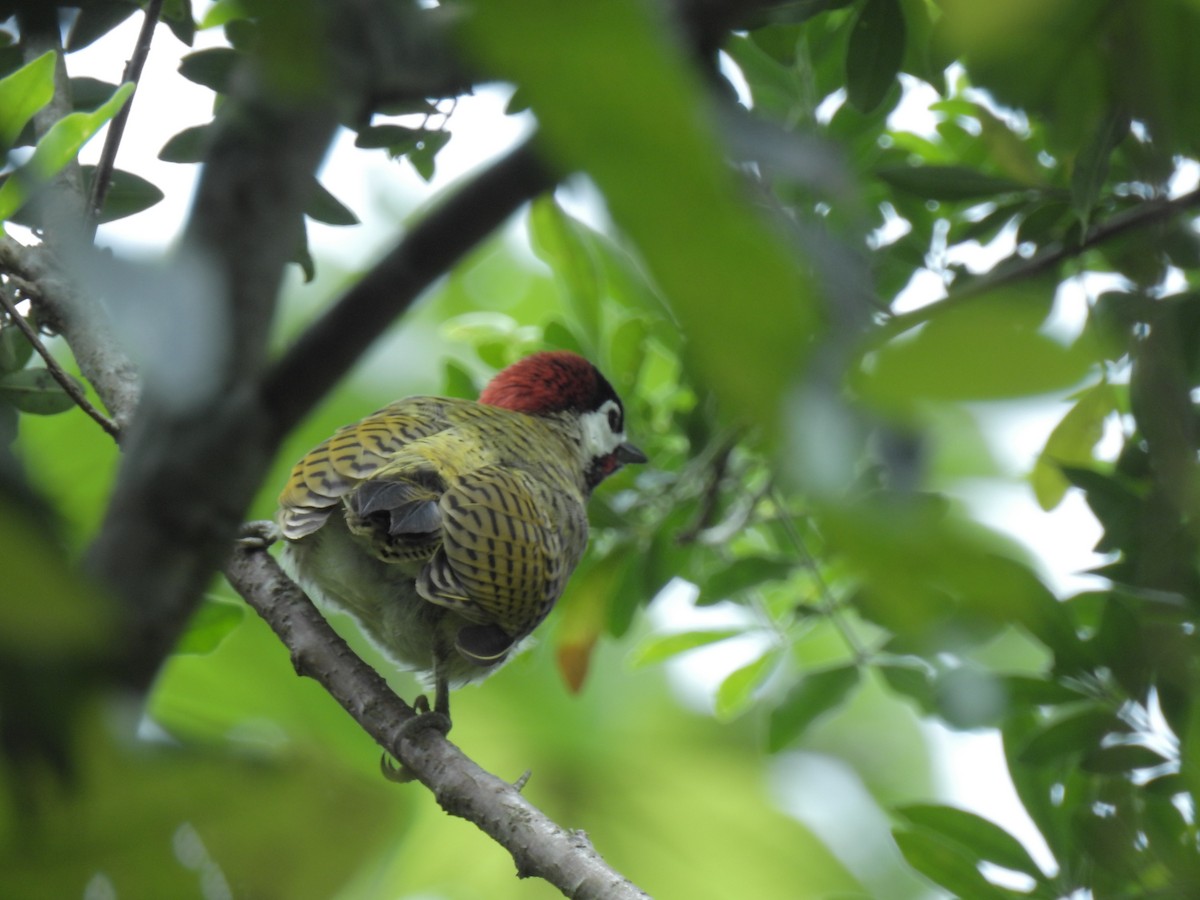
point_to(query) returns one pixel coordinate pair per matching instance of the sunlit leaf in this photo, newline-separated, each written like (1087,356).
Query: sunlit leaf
(661,647)
(210,624)
(737,690)
(57,147)
(1071,443)
(22,94)
(560,241)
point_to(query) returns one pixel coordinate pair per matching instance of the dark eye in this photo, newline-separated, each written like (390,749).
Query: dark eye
(614,420)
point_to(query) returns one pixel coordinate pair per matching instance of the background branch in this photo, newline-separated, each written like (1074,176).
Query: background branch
(539,847)
(331,345)
(1149,212)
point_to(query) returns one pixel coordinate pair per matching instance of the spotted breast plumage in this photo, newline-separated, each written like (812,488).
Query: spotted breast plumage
(448,528)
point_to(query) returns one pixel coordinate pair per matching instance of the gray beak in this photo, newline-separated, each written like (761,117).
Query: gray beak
(627,453)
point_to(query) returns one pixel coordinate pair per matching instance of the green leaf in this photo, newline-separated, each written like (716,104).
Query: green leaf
(1091,165)
(946,864)
(187,146)
(815,694)
(96,20)
(737,690)
(458,382)
(57,147)
(912,681)
(875,52)
(423,157)
(15,349)
(657,648)
(982,839)
(986,349)
(950,183)
(1121,758)
(561,242)
(128,194)
(211,68)
(742,574)
(35,391)
(1069,735)
(210,625)
(1071,443)
(396,139)
(666,182)
(324,207)
(22,94)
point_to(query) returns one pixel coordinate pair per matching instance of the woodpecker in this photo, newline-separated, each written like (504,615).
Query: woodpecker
(448,528)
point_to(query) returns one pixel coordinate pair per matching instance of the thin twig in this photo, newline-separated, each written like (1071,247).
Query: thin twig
(59,374)
(102,178)
(1148,213)
(829,604)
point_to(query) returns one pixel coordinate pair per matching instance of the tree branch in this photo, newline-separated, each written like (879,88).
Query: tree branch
(327,350)
(539,846)
(1148,213)
(102,178)
(84,325)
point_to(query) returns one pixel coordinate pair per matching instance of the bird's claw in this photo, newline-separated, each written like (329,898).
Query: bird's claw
(424,719)
(258,535)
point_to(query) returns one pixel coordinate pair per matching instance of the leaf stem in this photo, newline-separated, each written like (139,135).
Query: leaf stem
(59,374)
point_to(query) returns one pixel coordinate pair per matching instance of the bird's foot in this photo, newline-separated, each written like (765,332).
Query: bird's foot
(258,535)
(426,718)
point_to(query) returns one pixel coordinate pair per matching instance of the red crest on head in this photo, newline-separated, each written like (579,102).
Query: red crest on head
(548,382)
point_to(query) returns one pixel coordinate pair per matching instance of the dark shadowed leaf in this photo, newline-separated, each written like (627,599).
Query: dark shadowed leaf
(128,194)
(324,207)
(742,574)
(981,838)
(96,20)
(35,391)
(875,52)
(15,349)
(946,864)
(816,693)
(1074,734)
(188,146)
(1121,758)
(947,182)
(210,68)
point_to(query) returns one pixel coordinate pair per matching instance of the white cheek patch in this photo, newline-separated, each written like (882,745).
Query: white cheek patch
(598,438)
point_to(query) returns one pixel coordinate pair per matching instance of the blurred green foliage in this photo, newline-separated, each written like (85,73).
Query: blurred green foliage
(811,412)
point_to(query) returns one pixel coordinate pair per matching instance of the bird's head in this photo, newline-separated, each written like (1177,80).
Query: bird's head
(558,382)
